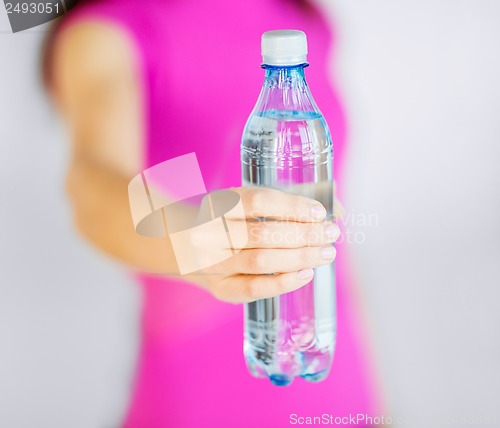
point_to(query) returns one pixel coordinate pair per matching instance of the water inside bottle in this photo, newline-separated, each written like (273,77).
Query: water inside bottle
(293,334)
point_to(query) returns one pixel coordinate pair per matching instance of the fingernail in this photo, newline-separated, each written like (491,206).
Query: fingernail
(318,211)
(332,232)
(328,253)
(305,273)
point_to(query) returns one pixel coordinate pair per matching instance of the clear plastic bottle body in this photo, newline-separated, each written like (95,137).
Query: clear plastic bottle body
(287,145)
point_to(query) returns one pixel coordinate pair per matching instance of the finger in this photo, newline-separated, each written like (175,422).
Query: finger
(248,288)
(259,202)
(279,234)
(266,261)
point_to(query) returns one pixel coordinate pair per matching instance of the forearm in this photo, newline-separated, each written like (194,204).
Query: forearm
(102,215)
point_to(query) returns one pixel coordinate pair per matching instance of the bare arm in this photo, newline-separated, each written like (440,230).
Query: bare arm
(96,88)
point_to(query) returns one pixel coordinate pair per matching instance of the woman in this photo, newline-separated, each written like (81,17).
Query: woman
(141,83)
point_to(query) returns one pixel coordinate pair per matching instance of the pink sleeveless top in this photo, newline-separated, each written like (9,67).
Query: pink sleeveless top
(199,67)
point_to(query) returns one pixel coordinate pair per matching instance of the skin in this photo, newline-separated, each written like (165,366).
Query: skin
(97,90)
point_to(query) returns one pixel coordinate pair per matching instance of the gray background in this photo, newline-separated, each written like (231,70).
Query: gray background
(68,316)
(420,84)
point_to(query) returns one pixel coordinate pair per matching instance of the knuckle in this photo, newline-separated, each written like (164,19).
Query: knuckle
(250,290)
(254,199)
(218,290)
(257,261)
(281,284)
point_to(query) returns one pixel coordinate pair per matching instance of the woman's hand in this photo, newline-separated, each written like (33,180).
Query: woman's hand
(95,85)
(280,253)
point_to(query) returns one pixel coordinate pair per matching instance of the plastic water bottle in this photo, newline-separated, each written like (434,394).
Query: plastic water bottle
(286,145)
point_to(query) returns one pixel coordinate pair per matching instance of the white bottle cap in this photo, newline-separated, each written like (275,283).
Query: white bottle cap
(284,47)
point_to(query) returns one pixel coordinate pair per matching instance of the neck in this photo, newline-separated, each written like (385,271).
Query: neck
(285,88)
(284,77)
